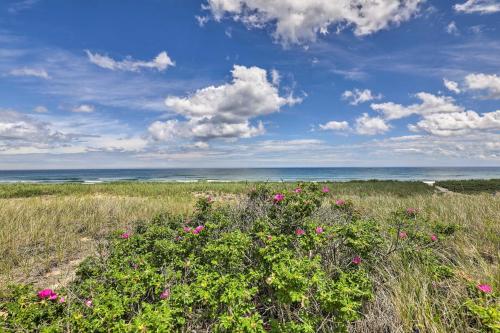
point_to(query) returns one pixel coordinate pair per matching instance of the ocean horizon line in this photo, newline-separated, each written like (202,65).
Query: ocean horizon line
(277,174)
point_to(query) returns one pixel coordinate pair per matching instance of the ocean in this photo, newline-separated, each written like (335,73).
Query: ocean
(250,174)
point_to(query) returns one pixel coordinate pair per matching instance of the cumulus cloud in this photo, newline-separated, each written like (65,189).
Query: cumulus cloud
(478,6)
(298,21)
(224,111)
(335,126)
(489,83)
(17,130)
(27,71)
(357,96)
(451,86)
(457,123)
(83,108)
(160,63)
(366,125)
(429,104)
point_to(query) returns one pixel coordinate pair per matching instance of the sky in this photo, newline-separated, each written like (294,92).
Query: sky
(249,83)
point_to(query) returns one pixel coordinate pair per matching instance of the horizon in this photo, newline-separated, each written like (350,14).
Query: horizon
(242,84)
(251,168)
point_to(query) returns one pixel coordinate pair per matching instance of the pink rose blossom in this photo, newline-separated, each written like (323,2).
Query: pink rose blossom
(279,197)
(356,260)
(299,232)
(434,238)
(411,211)
(325,189)
(319,230)
(340,202)
(298,190)
(165,294)
(198,229)
(485,288)
(62,299)
(47,293)
(88,303)
(187,229)
(402,234)
(125,235)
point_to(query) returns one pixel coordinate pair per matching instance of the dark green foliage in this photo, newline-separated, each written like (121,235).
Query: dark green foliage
(471,186)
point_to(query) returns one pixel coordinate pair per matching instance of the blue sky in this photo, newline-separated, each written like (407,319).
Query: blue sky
(249,83)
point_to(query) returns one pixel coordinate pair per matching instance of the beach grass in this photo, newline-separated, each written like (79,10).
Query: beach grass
(43,227)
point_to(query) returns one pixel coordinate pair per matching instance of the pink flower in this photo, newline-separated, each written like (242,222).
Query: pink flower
(325,189)
(279,197)
(187,229)
(298,190)
(356,260)
(319,230)
(125,235)
(198,229)
(88,303)
(47,293)
(434,238)
(485,288)
(299,232)
(411,211)
(340,202)
(62,299)
(165,294)
(402,234)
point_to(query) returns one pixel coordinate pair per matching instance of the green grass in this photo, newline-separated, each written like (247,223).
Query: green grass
(152,189)
(471,186)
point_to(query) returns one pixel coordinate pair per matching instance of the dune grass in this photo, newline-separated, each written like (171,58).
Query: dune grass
(45,226)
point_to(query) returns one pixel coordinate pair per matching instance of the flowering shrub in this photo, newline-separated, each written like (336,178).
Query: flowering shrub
(269,264)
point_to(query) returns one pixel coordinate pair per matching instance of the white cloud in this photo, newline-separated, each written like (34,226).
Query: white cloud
(160,63)
(41,109)
(457,123)
(430,104)
(478,6)
(298,21)
(224,111)
(83,108)
(18,130)
(490,83)
(366,125)
(275,77)
(452,29)
(21,5)
(27,71)
(357,96)
(335,126)
(202,20)
(451,86)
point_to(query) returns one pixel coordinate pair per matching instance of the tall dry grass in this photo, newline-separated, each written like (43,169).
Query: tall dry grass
(406,294)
